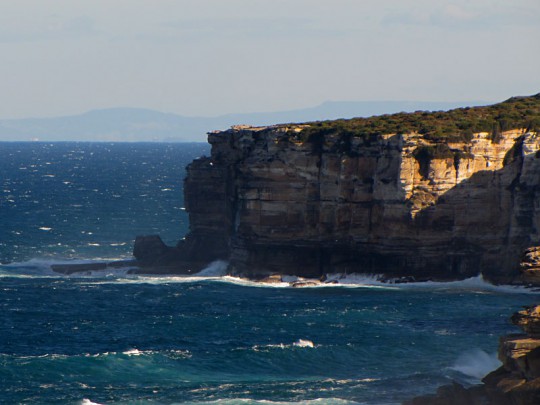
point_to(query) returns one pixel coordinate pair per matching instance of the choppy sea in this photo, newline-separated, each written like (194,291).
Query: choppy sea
(115,338)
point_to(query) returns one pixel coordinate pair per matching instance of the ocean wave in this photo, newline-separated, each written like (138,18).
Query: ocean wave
(87,401)
(217,272)
(473,284)
(476,364)
(248,401)
(300,343)
(170,353)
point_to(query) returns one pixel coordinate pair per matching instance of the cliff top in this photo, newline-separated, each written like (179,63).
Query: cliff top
(454,125)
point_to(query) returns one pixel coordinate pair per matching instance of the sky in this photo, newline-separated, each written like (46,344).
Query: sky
(212,57)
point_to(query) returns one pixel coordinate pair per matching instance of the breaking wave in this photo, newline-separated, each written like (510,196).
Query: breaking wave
(476,364)
(217,272)
(247,401)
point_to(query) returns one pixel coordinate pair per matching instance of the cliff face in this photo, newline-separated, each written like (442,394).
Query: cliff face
(392,204)
(312,199)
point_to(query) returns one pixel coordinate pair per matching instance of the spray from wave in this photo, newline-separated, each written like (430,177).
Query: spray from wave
(217,271)
(87,401)
(217,268)
(476,363)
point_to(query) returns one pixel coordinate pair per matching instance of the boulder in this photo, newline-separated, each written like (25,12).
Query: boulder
(150,249)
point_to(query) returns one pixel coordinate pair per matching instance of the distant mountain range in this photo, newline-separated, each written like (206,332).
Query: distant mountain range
(140,125)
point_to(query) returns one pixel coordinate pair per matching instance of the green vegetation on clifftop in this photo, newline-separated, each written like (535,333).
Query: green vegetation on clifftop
(447,126)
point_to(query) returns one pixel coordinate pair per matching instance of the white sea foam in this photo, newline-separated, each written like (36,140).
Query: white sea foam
(303,343)
(172,353)
(248,401)
(476,363)
(250,283)
(470,284)
(133,352)
(217,270)
(300,343)
(86,401)
(30,268)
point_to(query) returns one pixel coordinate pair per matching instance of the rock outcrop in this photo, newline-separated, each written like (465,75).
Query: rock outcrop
(422,195)
(516,382)
(530,265)
(272,200)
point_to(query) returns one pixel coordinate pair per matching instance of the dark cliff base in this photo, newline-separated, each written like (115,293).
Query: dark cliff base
(314,262)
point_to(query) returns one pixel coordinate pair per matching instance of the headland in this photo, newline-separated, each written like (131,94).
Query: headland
(413,196)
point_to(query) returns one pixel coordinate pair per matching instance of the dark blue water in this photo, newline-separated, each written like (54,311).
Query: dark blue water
(85,200)
(115,338)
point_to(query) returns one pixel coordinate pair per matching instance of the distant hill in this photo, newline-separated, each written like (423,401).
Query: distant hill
(139,125)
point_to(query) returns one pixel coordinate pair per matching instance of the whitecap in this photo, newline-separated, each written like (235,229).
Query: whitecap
(249,401)
(86,401)
(303,343)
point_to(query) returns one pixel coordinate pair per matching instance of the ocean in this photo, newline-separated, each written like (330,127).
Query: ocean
(115,338)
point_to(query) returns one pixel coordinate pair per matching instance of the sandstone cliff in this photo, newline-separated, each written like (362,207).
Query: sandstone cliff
(427,195)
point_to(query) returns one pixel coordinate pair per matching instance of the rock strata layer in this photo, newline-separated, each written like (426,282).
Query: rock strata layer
(269,204)
(516,382)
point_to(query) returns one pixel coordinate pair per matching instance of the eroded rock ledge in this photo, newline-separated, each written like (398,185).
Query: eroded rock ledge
(516,382)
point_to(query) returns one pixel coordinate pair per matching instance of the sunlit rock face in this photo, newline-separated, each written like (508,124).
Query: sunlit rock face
(396,204)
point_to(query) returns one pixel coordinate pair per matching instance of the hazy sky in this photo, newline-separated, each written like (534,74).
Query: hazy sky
(209,57)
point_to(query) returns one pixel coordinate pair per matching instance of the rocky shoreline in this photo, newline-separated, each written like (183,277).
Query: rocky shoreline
(516,382)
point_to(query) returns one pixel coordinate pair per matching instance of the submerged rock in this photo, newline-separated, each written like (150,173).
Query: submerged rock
(73,268)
